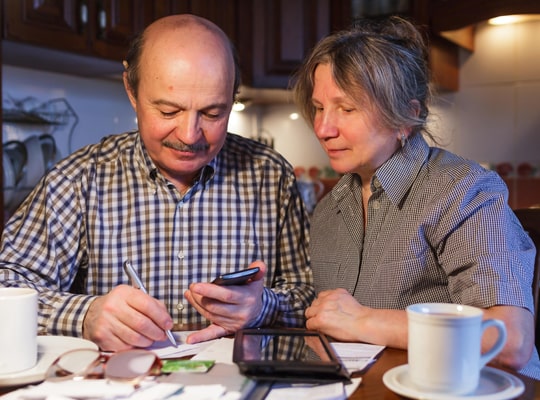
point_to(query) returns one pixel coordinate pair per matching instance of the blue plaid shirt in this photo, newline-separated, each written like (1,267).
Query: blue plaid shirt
(107,202)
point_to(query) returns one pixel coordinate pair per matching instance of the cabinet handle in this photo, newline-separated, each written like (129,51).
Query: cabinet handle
(84,14)
(102,19)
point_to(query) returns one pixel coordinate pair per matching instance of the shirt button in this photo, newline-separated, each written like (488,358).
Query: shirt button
(376,183)
(376,205)
(181,255)
(179,306)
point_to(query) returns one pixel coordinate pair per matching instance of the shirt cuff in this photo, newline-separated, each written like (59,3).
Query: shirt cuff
(269,310)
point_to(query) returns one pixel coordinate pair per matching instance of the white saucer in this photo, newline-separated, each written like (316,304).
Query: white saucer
(49,347)
(494,384)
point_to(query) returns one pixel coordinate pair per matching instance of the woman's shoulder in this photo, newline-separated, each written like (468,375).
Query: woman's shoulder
(446,165)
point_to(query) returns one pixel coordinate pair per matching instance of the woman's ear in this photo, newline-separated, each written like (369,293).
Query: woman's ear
(415,108)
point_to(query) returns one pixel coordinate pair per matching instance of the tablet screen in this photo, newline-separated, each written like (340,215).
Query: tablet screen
(286,354)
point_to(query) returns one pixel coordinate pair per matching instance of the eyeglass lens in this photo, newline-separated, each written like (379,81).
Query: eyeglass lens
(129,365)
(76,363)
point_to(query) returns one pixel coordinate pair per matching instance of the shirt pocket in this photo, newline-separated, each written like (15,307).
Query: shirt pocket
(229,256)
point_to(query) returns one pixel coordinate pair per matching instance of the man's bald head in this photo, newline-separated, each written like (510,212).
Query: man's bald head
(174,34)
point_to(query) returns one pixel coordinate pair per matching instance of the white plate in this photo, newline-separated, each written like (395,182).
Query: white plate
(494,384)
(49,347)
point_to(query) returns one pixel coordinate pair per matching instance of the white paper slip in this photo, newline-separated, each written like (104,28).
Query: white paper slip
(207,392)
(356,356)
(165,349)
(220,350)
(236,385)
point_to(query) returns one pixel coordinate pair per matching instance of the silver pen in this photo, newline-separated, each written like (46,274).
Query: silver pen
(137,283)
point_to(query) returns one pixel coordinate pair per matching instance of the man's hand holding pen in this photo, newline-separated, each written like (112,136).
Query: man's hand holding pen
(124,318)
(137,283)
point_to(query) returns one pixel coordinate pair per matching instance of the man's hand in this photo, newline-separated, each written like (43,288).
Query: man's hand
(229,308)
(126,318)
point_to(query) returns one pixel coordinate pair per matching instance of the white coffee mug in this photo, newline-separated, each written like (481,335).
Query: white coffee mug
(444,346)
(18,329)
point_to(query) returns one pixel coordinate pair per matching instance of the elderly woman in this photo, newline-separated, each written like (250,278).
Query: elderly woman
(407,223)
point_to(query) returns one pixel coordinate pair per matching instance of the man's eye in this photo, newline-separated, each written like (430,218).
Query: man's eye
(212,115)
(168,114)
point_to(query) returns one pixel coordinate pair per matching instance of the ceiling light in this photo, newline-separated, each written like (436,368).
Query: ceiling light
(513,19)
(294,116)
(238,106)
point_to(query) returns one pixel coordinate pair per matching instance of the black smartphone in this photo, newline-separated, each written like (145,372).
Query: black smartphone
(236,278)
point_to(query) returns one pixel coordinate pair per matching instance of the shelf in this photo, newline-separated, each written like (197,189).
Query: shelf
(29,111)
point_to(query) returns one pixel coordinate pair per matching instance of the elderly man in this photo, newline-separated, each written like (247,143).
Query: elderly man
(181,198)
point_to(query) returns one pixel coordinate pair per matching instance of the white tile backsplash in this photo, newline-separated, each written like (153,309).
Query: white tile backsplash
(494,57)
(527,128)
(528,52)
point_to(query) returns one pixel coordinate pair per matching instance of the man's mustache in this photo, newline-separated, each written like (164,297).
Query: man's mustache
(190,148)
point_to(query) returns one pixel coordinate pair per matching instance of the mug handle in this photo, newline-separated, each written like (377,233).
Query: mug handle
(499,344)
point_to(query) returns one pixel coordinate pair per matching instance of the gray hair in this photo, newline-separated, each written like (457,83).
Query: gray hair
(380,62)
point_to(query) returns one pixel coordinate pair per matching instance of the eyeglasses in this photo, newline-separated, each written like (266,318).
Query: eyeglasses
(131,366)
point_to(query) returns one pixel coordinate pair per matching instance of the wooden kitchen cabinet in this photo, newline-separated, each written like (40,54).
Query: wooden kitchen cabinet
(272,37)
(89,27)
(75,36)
(277,36)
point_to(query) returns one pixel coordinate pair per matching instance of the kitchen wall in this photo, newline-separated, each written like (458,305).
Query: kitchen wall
(494,118)
(102,106)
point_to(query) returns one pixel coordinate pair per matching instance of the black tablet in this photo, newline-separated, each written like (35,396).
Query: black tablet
(294,355)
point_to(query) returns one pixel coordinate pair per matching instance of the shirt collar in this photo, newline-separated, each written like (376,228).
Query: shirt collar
(395,176)
(145,162)
(399,172)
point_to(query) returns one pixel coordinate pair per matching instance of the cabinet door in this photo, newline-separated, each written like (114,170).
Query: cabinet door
(282,33)
(50,23)
(224,13)
(112,24)
(99,28)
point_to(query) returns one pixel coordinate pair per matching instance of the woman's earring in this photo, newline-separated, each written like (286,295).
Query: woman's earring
(403,139)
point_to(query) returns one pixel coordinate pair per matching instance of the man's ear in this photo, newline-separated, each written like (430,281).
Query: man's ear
(129,91)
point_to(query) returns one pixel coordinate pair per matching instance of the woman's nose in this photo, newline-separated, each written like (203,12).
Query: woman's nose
(325,126)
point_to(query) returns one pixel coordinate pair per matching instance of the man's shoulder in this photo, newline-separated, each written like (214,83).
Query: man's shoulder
(108,149)
(239,148)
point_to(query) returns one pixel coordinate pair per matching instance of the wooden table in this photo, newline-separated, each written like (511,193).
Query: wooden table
(372,386)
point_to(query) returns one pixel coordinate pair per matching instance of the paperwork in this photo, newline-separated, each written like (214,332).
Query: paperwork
(356,356)
(222,382)
(164,349)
